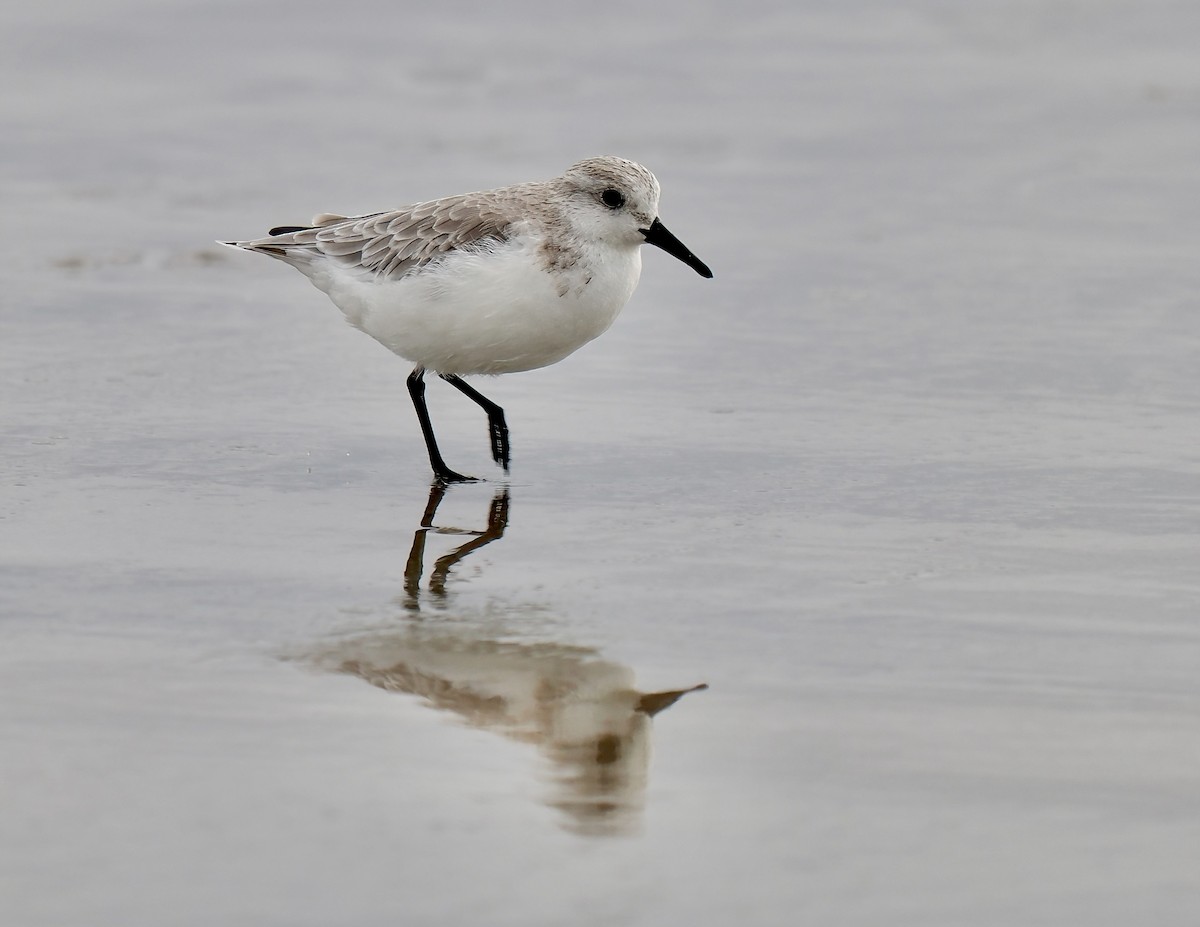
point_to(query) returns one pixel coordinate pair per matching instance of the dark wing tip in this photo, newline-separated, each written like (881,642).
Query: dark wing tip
(288,229)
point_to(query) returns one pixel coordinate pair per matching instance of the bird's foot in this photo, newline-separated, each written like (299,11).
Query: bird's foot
(445,475)
(499,434)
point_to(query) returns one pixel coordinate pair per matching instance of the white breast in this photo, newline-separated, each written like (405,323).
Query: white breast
(489,312)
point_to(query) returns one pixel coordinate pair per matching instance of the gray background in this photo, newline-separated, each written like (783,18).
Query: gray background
(913,484)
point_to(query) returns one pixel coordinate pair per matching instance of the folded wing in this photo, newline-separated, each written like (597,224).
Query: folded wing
(391,244)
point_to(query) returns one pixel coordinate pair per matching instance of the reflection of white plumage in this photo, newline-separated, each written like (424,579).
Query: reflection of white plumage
(582,712)
(485,283)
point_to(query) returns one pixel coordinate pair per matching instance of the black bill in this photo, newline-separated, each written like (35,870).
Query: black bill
(658,236)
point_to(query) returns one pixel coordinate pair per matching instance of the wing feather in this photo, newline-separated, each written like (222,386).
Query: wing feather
(392,244)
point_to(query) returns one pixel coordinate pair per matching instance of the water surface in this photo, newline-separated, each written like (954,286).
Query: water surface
(912,486)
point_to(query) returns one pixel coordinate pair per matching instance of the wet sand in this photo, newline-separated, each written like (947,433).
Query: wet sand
(912,486)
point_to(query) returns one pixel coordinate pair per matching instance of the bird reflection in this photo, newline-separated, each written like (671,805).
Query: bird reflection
(582,712)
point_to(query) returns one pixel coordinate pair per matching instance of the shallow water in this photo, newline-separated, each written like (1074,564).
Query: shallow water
(912,486)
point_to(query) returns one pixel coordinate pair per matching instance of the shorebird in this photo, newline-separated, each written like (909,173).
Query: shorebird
(493,282)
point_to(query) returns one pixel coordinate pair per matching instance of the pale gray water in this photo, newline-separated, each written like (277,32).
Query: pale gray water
(913,485)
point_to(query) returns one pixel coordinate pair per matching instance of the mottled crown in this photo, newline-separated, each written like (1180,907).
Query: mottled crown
(638,184)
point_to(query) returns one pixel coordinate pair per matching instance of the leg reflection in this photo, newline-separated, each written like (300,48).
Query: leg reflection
(497,521)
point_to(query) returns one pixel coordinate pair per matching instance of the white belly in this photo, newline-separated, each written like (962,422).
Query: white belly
(489,312)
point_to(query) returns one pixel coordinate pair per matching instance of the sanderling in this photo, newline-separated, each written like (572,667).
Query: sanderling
(485,283)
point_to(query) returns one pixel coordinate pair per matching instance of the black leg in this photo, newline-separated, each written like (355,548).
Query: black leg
(416,389)
(497,427)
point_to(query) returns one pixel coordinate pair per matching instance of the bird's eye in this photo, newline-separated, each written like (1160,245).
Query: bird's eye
(613,199)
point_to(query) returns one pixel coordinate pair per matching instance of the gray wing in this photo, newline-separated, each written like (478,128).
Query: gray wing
(390,244)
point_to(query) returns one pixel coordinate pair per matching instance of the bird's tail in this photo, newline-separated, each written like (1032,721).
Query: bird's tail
(285,242)
(295,244)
